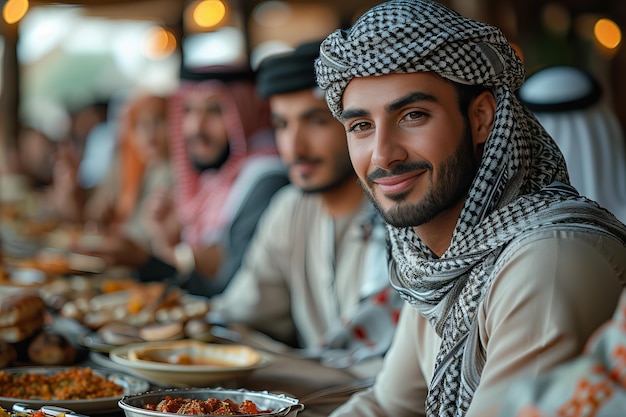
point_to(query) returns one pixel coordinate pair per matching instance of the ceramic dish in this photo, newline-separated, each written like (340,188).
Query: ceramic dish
(91,406)
(193,352)
(189,363)
(278,404)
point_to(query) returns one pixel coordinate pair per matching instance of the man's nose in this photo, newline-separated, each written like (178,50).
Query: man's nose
(387,148)
(296,141)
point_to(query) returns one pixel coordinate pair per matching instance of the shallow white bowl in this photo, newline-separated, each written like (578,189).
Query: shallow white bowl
(213,362)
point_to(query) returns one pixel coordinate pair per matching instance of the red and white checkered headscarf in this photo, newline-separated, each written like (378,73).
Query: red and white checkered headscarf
(200,196)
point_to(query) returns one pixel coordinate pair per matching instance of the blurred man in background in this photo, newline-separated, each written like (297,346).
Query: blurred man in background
(315,275)
(226,169)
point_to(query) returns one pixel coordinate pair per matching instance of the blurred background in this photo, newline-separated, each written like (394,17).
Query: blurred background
(62,56)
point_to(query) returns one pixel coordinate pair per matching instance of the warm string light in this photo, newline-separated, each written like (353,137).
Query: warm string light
(14,10)
(607,33)
(209,13)
(160,43)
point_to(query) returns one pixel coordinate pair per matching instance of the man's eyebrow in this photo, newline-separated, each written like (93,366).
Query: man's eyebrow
(350,113)
(312,112)
(413,97)
(410,98)
(315,111)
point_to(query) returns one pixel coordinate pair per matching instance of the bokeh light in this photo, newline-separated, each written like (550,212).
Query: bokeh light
(160,43)
(209,13)
(607,33)
(14,10)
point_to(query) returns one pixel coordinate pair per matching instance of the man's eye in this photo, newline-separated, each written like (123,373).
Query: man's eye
(415,115)
(212,108)
(278,124)
(359,127)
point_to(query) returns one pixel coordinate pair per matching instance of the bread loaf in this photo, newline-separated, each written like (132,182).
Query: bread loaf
(21,315)
(51,349)
(20,306)
(22,330)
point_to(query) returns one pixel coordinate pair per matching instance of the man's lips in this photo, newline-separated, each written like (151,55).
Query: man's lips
(304,168)
(397,183)
(201,144)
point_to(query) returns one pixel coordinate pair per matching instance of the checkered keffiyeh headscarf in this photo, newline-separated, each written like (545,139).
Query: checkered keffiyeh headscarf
(521,184)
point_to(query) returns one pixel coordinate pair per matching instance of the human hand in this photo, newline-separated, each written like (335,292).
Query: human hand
(159,216)
(100,208)
(115,250)
(159,204)
(65,168)
(64,195)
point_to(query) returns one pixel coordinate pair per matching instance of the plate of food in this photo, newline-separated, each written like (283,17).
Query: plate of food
(209,401)
(189,363)
(81,389)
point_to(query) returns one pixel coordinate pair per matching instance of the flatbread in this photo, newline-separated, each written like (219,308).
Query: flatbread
(19,307)
(22,330)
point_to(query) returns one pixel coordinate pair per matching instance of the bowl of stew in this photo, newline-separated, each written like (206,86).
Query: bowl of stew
(209,402)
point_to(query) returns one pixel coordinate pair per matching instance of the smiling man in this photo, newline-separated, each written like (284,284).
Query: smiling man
(506,269)
(419,183)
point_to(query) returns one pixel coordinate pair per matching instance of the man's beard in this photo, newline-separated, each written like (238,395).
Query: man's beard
(214,163)
(455,179)
(342,175)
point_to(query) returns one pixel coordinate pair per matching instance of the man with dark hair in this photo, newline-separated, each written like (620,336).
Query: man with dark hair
(315,275)
(506,270)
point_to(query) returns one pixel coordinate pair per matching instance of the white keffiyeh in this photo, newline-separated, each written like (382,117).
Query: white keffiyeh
(521,184)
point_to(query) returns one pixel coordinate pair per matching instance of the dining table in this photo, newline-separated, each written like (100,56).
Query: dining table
(319,387)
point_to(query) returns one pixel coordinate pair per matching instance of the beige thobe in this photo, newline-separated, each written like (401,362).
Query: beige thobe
(305,273)
(548,297)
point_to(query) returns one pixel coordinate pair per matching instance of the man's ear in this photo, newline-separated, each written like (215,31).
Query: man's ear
(482,112)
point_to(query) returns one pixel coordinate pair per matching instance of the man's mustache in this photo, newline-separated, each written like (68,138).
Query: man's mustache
(304,161)
(199,138)
(398,169)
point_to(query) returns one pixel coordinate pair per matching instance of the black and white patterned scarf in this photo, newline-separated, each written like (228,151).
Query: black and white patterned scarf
(521,184)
